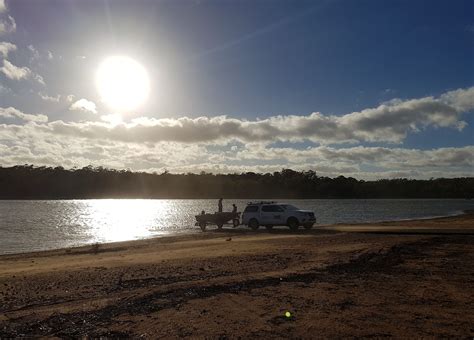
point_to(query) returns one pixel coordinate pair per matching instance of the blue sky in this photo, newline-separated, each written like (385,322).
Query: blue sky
(234,85)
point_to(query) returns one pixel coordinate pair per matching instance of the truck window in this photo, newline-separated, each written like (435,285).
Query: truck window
(251,208)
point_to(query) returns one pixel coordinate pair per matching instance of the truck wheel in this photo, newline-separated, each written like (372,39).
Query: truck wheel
(203,226)
(269,227)
(308,226)
(253,224)
(293,223)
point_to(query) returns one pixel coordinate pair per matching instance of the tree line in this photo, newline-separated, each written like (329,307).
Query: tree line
(30,182)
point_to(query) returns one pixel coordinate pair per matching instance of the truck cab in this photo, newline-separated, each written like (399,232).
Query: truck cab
(270,214)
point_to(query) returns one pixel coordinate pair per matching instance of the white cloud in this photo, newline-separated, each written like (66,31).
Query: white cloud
(461,99)
(14,72)
(47,98)
(84,105)
(392,121)
(11,112)
(6,47)
(7,25)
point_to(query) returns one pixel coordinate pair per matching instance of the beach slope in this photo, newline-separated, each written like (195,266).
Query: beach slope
(407,278)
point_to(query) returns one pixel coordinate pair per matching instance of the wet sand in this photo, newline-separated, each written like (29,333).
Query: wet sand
(406,278)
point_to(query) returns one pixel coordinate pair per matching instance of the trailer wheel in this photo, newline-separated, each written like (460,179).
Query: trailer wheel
(293,223)
(203,226)
(219,225)
(253,224)
(235,222)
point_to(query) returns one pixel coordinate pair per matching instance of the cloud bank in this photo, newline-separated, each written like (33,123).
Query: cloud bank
(389,122)
(224,144)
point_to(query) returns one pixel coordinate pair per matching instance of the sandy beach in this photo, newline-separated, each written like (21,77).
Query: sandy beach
(405,278)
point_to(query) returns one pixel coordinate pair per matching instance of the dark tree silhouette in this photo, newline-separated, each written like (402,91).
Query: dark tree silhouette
(29,182)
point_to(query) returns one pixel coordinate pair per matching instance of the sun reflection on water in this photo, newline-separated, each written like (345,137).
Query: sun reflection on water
(120,220)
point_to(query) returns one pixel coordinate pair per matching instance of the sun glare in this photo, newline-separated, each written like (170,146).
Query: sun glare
(123,83)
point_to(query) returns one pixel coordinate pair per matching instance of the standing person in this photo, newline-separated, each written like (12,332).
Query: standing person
(236,217)
(219,205)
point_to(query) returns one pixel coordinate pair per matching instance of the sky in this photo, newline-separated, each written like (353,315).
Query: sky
(369,89)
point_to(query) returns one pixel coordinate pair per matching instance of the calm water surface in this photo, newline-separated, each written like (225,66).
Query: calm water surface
(38,225)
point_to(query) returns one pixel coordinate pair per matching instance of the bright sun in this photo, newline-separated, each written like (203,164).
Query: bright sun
(123,83)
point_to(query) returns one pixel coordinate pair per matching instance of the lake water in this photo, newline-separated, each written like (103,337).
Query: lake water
(42,224)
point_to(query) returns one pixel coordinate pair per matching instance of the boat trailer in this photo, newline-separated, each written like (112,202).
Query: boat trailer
(218,218)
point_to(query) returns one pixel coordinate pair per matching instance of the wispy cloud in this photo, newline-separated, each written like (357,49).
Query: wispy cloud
(18,73)
(3,7)
(38,78)
(11,71)
(6,47)
(11,112)
(14,72)
(35,55)
(4,89)
(7,25)
(7,22)
(47,98)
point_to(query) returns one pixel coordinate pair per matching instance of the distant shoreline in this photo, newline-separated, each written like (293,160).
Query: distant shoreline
(30,182)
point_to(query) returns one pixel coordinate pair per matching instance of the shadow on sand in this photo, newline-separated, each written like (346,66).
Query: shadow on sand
(325,230)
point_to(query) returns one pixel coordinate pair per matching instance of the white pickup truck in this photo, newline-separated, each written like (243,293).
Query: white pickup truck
(270,214)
